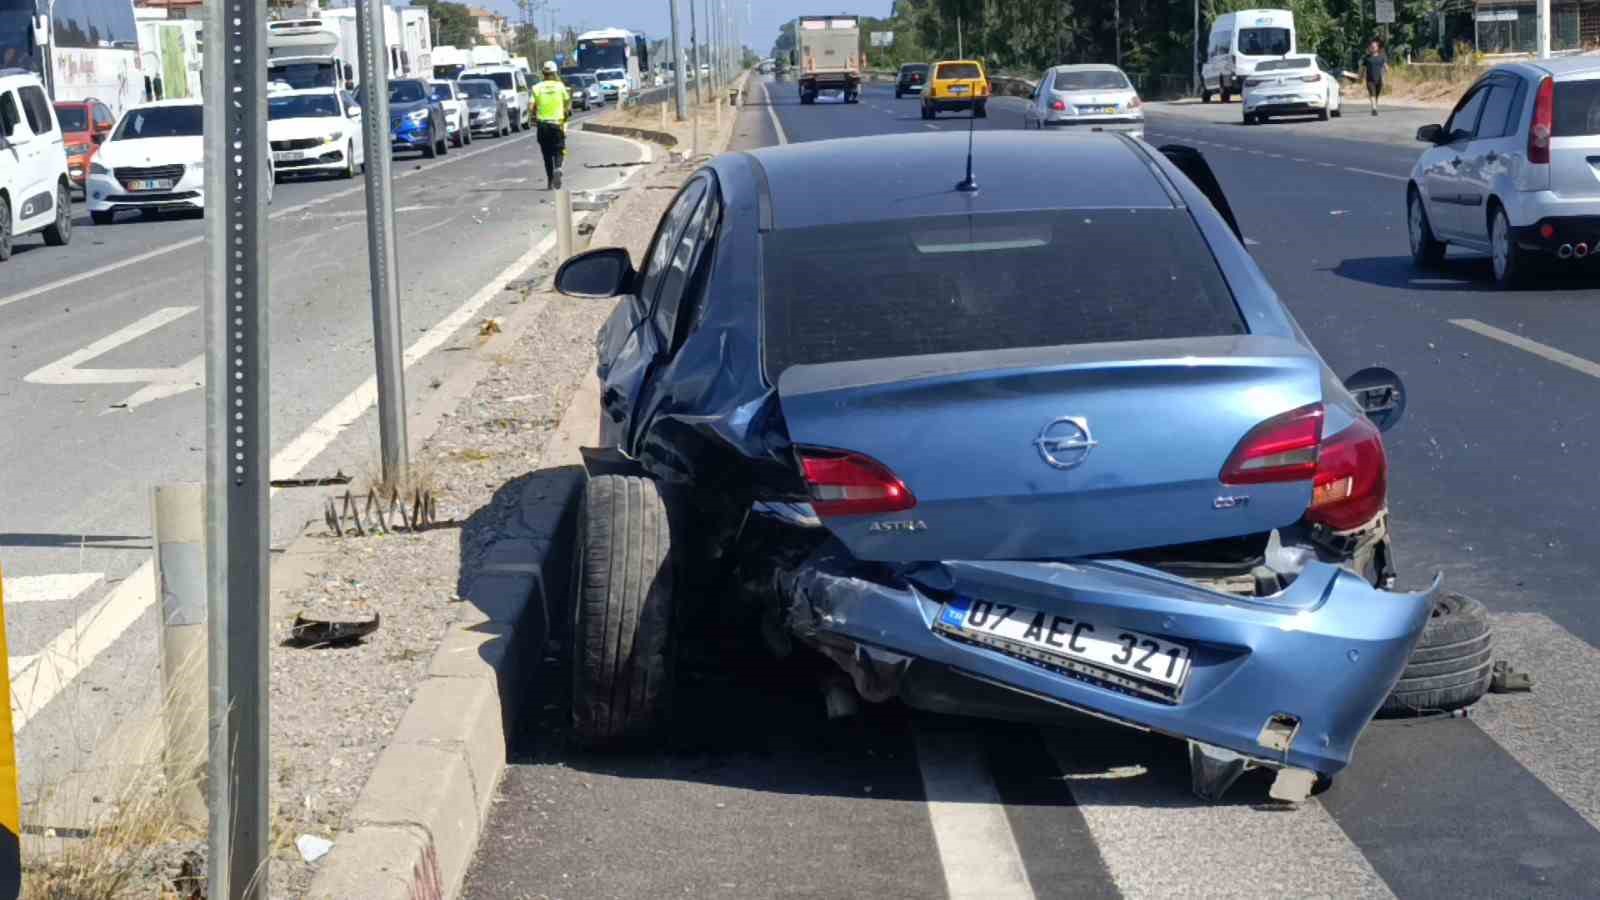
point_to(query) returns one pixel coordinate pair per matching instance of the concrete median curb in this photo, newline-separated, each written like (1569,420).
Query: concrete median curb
(643,134)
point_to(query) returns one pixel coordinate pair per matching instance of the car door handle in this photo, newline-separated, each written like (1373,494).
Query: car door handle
(1492,156)
(1456,161)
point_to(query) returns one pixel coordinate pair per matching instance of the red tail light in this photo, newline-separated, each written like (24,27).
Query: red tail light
(850,484)
(1544,107)
(1059,106)
(1352,483)
(1134,103)
(1283,448)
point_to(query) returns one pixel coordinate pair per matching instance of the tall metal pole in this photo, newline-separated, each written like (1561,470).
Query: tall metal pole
(1194,75)
(383,268)
(694,53)
(1116,28)
(237,447)
(1543,15)
(678,82)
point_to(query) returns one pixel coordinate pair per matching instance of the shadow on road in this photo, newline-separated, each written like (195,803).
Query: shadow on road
(75,541)
(1463,274)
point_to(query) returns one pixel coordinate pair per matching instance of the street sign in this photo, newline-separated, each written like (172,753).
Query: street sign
(1385,11)
(883,39)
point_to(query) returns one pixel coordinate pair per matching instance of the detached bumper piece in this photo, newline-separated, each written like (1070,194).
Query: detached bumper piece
(1286,682)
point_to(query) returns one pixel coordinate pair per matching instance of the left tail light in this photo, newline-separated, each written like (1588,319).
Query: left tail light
(842,483)
(1352,481)
(1283,448)
(1539,131)
(1058,106)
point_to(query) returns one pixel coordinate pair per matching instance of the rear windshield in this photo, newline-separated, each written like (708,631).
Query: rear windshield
(441,92)
(835,293)
(914,69)
(502,80)
(1272,65)
(1264,41)
(1577,109)
(73,118)
(1091,81)
(407,92)
(478,89)
(960,70)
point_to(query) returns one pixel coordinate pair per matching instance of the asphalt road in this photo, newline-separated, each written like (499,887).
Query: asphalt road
(101,398)
(756,794)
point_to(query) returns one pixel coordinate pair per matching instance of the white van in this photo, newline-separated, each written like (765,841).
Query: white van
(1239,40)
(35,194)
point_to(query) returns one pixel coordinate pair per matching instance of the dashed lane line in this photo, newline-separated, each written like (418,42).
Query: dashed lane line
(976,846)
(777,126)
(1545,351)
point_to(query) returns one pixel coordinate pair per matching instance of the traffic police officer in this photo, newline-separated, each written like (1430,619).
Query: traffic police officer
(552,107)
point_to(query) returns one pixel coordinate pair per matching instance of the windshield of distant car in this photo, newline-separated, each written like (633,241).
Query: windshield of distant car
(1264,41)
(160,122)
(406,92)
(482,90)
(502,80)
(303,106)
(574,82)
(73,118)
(301,76)
(1273,65)
(1092,81)
(1577,109)
(834,293)
(441,92)
(959,70)
(914,69)
(610,75)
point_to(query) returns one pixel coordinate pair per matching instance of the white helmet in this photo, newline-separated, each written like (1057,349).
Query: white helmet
(550,68)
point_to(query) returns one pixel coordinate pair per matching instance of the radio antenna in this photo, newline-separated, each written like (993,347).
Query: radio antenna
(969,184)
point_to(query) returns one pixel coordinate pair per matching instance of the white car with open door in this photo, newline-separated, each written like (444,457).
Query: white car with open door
(317,130)
(1298,85)
(154,162)
(35,193)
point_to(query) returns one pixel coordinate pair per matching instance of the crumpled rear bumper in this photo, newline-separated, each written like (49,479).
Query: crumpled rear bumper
(1324,652)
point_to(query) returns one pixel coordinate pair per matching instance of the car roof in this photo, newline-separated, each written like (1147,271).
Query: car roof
(157,104)
(901,176)
(1086,67)
(1561,66)
(969,62)
(302,92)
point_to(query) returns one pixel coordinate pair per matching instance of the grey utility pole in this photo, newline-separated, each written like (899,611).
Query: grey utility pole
(382,266)
(1542,13)
(238,450)
(1194,82)
(694,53)
(678,82)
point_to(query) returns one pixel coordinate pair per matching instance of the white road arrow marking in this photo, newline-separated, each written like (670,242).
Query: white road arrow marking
(159,383)
(44,588)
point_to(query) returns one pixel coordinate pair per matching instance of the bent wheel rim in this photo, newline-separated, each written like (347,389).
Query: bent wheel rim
(1502,247)
(1415,224)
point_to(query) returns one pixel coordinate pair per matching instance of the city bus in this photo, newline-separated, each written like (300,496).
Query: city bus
(615,48)
(90,48)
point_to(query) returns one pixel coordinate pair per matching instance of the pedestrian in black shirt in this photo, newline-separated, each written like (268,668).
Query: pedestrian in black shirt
(1377,65)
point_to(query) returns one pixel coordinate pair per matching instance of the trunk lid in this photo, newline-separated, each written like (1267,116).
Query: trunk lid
(1057,452)
(1575,139)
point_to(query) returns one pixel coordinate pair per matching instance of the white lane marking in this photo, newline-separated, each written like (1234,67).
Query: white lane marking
(16,665)
(1559,357)
(1300,159)
(976,847)
(47,588)
(190,242)
(1554,731)
(1133,793)
(1327,165)
(159,383)
(1390,176)
(930,127)
(766,88)
(72,651)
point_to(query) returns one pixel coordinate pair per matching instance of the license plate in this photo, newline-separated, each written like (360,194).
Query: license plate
(151,184)
(290,155)
(1102,110)
(1067,641)
(958,89)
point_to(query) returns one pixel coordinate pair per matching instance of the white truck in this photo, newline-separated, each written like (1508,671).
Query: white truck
(448,61)
(828,57)
(322,52)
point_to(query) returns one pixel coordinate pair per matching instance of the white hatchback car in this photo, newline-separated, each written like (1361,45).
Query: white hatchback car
(154,161)
(1298,85)
(316,130)
(1513,172)
(455,111)
(35,193)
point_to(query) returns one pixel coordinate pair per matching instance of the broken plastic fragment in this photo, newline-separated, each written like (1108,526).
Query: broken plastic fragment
(314,632)
(312,848)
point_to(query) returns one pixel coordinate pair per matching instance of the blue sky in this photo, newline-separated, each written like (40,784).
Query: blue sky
(650,16)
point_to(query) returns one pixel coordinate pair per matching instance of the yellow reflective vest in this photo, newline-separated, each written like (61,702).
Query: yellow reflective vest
(550,99)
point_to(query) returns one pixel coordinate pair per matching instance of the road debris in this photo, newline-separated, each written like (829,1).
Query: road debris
(325,632)
(312,847)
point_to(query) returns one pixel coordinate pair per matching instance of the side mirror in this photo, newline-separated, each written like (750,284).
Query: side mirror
(606,272)
(1381,394)
(1429,134)
(355,111)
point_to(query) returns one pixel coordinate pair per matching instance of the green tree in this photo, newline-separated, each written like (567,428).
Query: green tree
(452,22)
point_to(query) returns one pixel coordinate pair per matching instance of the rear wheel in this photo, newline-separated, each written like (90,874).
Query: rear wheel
(1450,668)
(1249,119)
(622,618)
(59,232)
(1510,261)
(350,160)
(1205,95)
(981,110)
(1322,115)
(1426,249)
(430,151)
(1225,95)
(927,111)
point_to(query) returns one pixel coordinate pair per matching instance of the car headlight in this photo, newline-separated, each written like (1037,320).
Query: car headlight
(418,115)
(97,169)
(331,137)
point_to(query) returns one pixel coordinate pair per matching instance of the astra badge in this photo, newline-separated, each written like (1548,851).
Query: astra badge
(902,527)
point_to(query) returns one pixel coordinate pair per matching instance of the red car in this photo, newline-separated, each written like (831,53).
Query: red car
(84,124)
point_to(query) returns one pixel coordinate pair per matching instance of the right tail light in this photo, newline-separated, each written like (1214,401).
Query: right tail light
(1349,471)
(1544,109)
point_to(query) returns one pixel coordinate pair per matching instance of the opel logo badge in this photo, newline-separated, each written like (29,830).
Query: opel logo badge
(1066,442)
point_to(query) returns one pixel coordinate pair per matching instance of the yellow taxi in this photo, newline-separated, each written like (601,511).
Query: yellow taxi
(956,84)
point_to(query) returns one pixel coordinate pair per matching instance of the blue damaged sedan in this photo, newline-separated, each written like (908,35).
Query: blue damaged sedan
(998,445)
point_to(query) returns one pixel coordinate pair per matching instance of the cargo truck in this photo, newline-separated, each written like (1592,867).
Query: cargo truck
(828,57)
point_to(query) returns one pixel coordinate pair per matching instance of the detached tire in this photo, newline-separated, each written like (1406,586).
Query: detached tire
(622,648)
(1451,666)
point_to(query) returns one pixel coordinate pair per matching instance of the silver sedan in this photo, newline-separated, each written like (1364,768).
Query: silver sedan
(1097,96)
